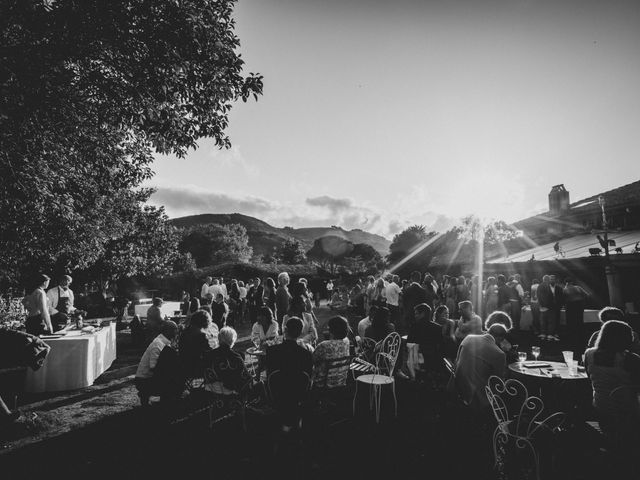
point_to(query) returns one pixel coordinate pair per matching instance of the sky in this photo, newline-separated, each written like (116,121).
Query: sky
(382,114)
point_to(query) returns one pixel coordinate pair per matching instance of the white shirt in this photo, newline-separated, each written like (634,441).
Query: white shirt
(363,325)
(392,291)
(329,286)
(54,294)
(204,290)
(150,356)
(243,292)
(223,289)
(215,290)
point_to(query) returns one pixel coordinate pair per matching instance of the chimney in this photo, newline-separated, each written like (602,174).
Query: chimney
(558,200)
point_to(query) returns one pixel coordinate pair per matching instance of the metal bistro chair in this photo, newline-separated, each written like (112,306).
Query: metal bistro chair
(519,419)
(386,358)
(363,361)
(223,399)
(288,394)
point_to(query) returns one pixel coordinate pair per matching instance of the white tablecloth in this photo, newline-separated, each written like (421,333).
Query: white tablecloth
(168,309)
(75,361)
(526,320)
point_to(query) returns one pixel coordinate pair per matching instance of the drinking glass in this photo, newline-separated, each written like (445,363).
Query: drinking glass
(522,357)
(568,356)
(535,351)
(256,342)
(573,367)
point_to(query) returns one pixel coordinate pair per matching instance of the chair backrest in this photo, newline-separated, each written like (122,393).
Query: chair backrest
(387,355)
(337,371)
(366,349)
(624,398)
(288,390)
(511,403)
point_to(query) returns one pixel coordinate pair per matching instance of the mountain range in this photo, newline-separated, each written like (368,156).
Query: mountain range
(264,237)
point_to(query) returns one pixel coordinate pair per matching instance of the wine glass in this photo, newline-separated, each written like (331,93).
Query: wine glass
(522,357)
(535,351)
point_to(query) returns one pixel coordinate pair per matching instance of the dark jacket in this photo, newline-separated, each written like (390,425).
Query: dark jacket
(429,336)
(229,367)
(290,357)
(194,345)
(547,299)
(413,295)
(19,349)
(282,303)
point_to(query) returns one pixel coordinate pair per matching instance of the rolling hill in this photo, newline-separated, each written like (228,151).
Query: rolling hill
(264,237)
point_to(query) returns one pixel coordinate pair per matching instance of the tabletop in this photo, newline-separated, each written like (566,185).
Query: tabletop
(255,351)
(557,370)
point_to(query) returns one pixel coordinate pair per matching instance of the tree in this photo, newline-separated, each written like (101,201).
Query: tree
(212,244)
(364,258)
(291,252)
(329,251)
(404,242)
(148,248)
(88,90)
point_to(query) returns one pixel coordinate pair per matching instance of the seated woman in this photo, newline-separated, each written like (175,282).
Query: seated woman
(441,317)
(196,341)
(380,325)
(336,347)
(264,333)
(158,372)
(230,375)
(265,329)
(615,375)
(297,308)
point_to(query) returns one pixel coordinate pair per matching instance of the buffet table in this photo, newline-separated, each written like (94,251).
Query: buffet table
(75,360)
(526,319)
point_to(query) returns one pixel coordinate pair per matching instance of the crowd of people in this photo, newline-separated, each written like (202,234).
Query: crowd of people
(284,328)
(472,322)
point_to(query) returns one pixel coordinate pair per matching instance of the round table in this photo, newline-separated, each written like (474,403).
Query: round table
(554,371)
(255,352)
(560,391)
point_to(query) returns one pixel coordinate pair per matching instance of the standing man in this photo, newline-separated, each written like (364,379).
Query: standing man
(574,297)
(61,302)
(223,289)
(329,289)
(535,307)
(413,296)
(282,297)
(255,300)
(392,292)
(205,288)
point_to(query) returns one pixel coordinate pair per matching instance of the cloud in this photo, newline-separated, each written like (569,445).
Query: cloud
(333,204)
(193,200)
(317,211)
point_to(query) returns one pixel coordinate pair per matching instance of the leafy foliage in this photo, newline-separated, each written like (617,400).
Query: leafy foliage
(213,244)
(88,90)
(404,242)
(333,251)
(292,252)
